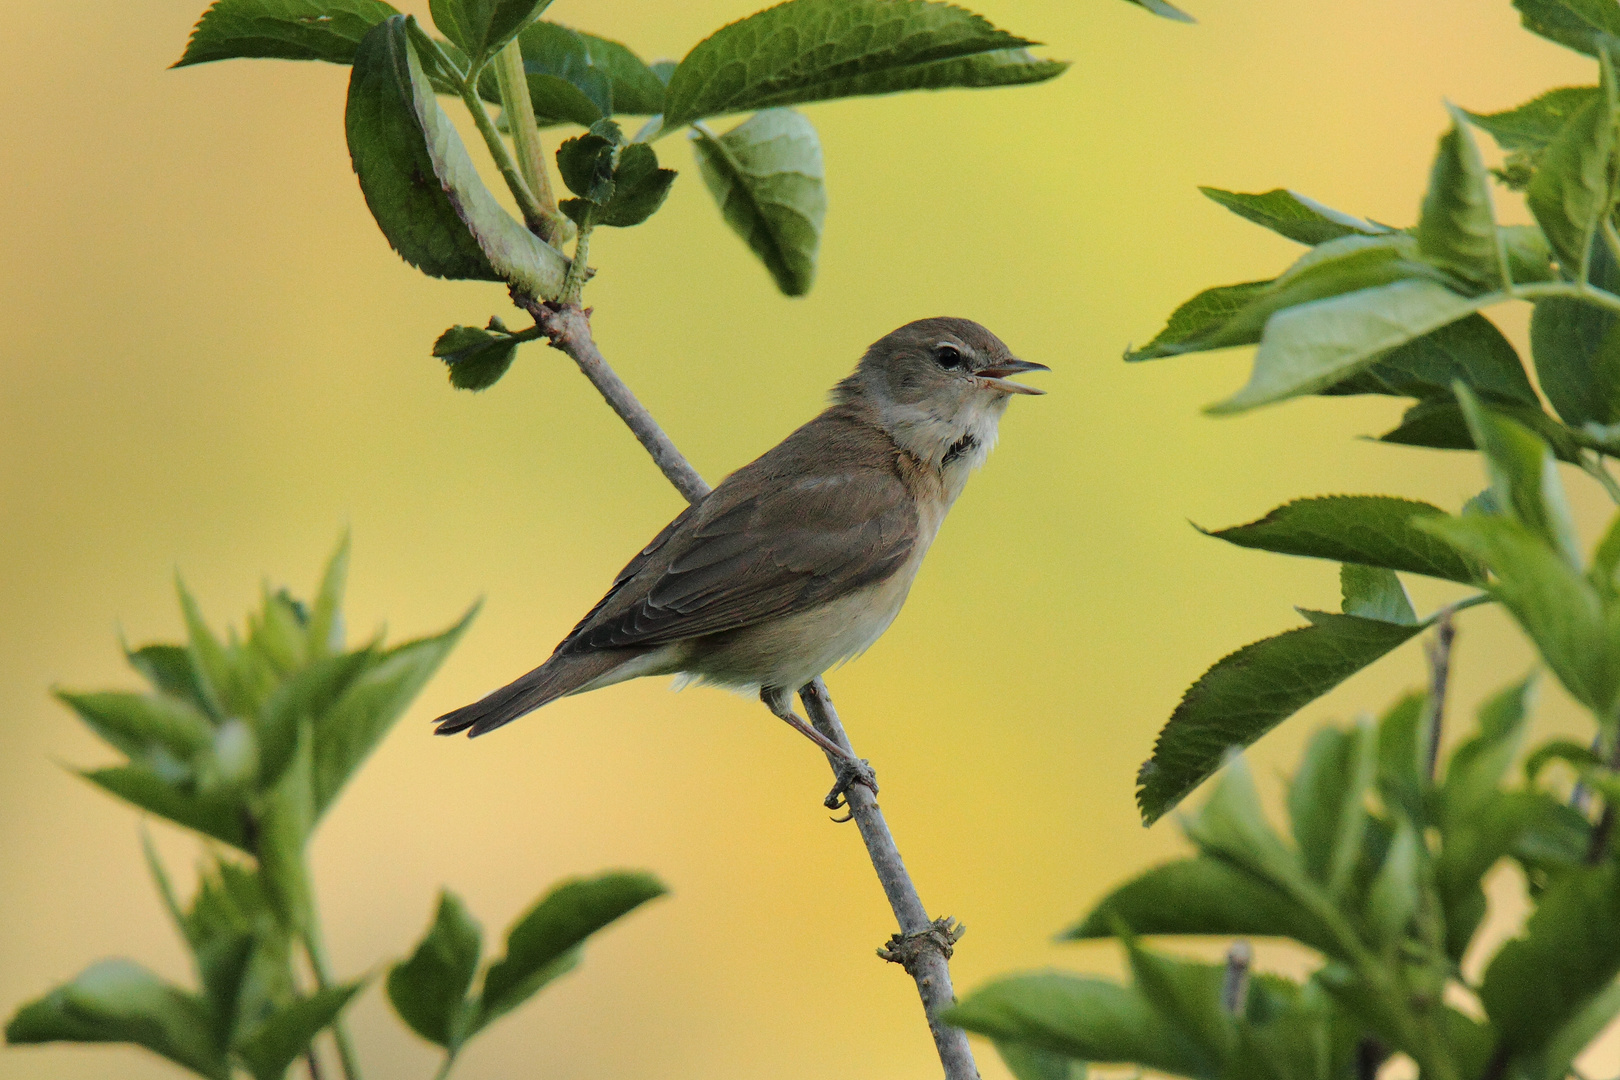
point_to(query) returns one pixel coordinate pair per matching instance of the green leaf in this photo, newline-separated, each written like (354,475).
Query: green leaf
(269,1049)
(1188,997)
(1529,254)
(1372,592)
(1533,125)
(1576,348)
(1440,424)
(347,733)
(139,723)
(1232,827)
(421,186)
(326,617)
(1199,318)
(1206,897)
(168,668)
(639,188)
(480,28)
(298,701)
(1555,604)
(429,991)
(1471,350)
(1457,229)
(1570,952)
(120,1001)
(477,358)
(814,50)
(1249,692)
(1524,475)
(1393,898)
(766,176)
(1312,346)
(221,677)
(545,942)
(1083,1018)
(1164,10)
(1032,1063)
(585,164)
(1332,268)
(1570,191)
(219,815)
(284,29)
(1582,25)
(1293,215)
(1327,803)
(1403,759)
(1373,530)
(1476,768)
(1557,1054)
(608,76)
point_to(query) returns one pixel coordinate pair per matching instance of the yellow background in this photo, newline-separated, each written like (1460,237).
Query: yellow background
(212,361)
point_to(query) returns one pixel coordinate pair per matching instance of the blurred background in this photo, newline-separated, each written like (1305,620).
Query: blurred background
(213,362)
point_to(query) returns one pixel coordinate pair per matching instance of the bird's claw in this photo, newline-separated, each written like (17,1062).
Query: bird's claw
(850,772)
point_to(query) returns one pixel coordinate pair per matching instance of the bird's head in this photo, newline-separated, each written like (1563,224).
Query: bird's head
(939,387)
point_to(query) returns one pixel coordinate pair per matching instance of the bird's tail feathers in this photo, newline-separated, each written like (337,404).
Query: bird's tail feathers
(559,676)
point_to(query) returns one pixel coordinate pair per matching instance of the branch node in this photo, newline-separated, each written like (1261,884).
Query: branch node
(909,950)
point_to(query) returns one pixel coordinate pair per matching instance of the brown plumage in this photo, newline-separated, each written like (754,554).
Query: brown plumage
(802,557)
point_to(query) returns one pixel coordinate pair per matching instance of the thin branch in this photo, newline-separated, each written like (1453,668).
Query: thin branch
(1591,294)
(923,946)
(1439,650)
(313,1063)
(1235,980)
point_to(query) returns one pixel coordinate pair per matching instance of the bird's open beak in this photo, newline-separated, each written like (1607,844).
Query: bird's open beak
(996,376)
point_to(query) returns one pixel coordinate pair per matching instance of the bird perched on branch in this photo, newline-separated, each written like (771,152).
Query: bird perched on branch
(801,558)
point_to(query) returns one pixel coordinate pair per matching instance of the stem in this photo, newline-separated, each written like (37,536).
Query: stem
(313,1063)
(1439,674)
(1594,467)
(923,945)
(534,215)
(444,1067)
(1598,847)
(518,109)
(574,284)
(1569,290)
(315,948)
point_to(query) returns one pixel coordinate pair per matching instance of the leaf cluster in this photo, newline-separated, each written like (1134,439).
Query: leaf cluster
(247,740)
(766,173)
(1379,875)
(1399,312)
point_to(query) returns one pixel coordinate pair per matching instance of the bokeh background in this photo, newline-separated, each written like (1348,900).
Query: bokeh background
(212,361)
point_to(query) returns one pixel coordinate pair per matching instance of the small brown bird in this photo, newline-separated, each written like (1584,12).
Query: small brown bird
(801,558)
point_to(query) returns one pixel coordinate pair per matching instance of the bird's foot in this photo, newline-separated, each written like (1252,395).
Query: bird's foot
(851,771)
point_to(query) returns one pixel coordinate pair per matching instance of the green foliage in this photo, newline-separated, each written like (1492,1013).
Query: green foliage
(766,176)
(1293,215)
(1381,878)
(328,30)
(480,27)
(248,740)
(1369,530)
(816,50)
(618,184)
(1399,312)
(477,358)
(419,182)
(1254,689)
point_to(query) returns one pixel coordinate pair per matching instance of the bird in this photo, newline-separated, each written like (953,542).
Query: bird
(802,558)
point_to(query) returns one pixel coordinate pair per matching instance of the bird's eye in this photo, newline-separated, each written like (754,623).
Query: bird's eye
(947,357)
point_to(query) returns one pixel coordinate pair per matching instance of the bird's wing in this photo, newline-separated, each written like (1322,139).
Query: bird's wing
(759,547)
